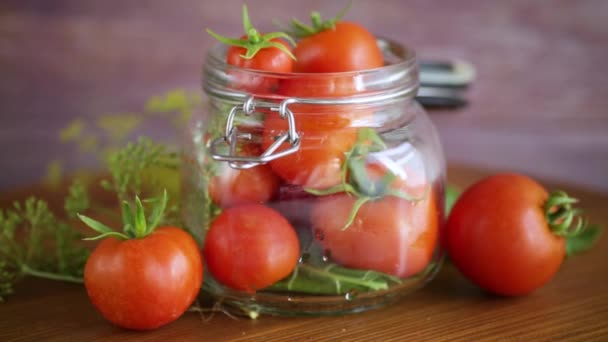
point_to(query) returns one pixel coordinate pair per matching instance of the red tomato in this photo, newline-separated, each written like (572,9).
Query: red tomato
(251,247)
(390,235)
(497,235)
(231,186)
(347,47)
(318,162)
(270,59)
(147,282)
(326,117)
(321,85)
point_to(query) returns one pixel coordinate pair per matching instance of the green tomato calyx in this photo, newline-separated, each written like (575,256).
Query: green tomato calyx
(566,221)
(301,30)
(136,224)
(356,180)
(563,219)
(256,41)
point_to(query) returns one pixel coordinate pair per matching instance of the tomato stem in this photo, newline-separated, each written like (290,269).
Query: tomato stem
(562,218)
(255,41)
(356,180)
(135,223)
(302,30)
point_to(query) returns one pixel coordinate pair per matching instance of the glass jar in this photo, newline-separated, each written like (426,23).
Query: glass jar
(314,193)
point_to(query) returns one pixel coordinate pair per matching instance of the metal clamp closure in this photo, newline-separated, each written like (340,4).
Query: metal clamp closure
(232,136)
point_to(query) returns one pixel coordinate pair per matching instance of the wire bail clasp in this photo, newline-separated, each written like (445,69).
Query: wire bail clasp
(232,136)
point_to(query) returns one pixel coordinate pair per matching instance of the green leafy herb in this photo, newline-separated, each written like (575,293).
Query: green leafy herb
(332,279)
(128,165)
(316,275)
(77,200)
(34,242)
(179,101)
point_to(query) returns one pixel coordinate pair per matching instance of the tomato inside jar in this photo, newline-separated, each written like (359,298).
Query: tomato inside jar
(320,195)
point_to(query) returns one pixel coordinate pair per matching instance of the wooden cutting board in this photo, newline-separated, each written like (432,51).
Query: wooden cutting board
(573,306)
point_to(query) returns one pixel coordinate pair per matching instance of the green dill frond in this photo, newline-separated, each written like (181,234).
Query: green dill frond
(72,132)
(77,200)
(54,173)
(118,127)
(127,166)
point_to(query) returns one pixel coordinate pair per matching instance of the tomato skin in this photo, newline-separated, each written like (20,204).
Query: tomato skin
(389,235)
(498,237)
(318,162)
(321,85)
(233,187)
(269,59)
(347,47)
(145,283)
(250,247)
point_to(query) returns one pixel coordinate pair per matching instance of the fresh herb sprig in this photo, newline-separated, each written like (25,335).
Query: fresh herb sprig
(35,242)
(127,166)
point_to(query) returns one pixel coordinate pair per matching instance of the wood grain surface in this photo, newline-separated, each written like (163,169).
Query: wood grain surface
(573,306)
(539,104)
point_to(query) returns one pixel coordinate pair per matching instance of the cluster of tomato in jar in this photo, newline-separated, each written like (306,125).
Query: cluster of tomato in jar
(361,214)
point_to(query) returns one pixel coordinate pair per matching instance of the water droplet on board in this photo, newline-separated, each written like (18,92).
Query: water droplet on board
(351,294)
(319,234)
(304,258)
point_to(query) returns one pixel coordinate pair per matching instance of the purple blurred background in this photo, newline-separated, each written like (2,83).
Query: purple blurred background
(539,104)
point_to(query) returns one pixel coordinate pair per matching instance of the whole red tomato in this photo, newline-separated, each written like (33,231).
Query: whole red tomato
(345,47)
(269,59)
(146,282)
(390,234)
(250,247)
(318,162)
(497,235)
(255,51)
(232,187)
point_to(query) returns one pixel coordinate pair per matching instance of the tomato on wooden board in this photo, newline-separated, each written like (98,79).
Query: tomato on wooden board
(502,235)
(144,277)
(145,283)
(231,187)
(344,47)
(250,247)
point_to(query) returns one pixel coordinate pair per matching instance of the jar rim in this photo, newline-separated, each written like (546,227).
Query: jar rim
(397,78)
